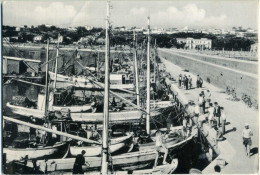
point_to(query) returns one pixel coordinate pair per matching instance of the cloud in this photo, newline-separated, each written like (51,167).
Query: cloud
(54,13)
(138,11)
(190,14)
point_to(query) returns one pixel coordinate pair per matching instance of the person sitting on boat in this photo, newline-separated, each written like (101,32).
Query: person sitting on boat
(94,105)
(95,135)
(79,161)
(114,102)
(123,105)
(160,148)
(43,133)
(32,130)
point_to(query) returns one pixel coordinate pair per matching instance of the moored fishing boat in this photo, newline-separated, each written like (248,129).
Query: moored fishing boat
(38,113)
(83,82)
(161,169)
(18,154)
(127,162)
(117,117)
(95,150)
(24,111)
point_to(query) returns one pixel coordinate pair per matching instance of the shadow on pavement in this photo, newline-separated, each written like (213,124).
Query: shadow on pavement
(254,151)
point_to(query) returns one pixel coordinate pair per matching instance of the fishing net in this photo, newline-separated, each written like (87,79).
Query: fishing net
(22,101)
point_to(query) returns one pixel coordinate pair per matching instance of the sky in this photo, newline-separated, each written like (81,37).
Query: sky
(165,14)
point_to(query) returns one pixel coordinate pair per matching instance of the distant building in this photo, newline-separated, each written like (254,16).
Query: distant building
(48,25)
(14,65)
(86,39)
(89,27)
(101,41)
(37,38)
(60,40)
(17,29)
(72,29)
(191,43)
(254,47)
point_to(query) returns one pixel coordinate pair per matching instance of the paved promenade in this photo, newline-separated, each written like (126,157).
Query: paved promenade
(237,114)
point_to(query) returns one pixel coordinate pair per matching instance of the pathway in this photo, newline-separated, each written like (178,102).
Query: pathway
(237,115)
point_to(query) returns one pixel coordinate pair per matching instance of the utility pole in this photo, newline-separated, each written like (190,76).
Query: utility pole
(104,168)
(148,81)
(56,63)
(136,71)
(46,80)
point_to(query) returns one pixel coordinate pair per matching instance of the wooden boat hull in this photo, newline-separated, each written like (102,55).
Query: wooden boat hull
(119,161)
(92,151)
(115,117)
(171,144)
(75,108)
(72,79)
(17,154)
(20,110)
(161,104)
(162,169)
(83,82)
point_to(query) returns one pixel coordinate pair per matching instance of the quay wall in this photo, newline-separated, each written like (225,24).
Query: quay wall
(247,66)
(217,75)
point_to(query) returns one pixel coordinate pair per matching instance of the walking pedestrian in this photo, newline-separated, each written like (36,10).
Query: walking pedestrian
(201,82)
(223,120)
(184,81)
(203,103)
(208,98)
(79,161)
(247,141)
(217,113)
(190,81)
(180,80)
(211,114)
(187,83)
(201,99)
(198,81)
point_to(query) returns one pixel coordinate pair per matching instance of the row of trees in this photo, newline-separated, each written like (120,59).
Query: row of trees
(69,36)
(228,42)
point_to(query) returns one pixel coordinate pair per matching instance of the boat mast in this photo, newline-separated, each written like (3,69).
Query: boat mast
(154,65)
(98,64)
(56,62)
(136,71)
(46,80)
(148,81)
(104,167)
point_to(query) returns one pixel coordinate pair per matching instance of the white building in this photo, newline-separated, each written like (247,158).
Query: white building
(191,43)
(37,38)
(254,47)
(60,40)
(89,27)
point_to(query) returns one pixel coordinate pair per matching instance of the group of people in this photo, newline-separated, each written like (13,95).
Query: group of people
(41,136)
(185,81)
(216,118)
(215,114)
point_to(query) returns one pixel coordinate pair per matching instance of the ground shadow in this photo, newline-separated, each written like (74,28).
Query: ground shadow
(222,92)
(230,130)
(227,123)
(254,151)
